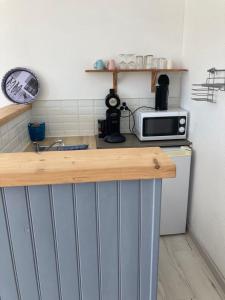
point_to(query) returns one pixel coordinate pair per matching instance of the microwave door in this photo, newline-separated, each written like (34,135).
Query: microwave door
(160,127)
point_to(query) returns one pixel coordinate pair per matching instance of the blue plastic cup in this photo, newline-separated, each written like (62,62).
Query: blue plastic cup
(36,131)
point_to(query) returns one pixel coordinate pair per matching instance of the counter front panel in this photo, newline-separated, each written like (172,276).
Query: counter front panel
(86,241)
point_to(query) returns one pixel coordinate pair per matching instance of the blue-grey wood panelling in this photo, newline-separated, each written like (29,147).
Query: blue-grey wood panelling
(43,234)
(155,233)
(146,238)
(63,211)
(8,275)
(94,241)
(130,201)
(21,241)
(87,235)
(107,208)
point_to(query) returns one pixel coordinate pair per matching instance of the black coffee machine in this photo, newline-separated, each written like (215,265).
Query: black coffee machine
(162,93)
(112,122)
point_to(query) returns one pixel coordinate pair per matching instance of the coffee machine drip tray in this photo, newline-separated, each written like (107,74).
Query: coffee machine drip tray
(114,138)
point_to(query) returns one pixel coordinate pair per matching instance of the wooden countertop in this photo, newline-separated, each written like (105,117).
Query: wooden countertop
(27,168)
(10,112)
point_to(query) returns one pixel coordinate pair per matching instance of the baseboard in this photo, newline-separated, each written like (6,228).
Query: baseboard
(210,263)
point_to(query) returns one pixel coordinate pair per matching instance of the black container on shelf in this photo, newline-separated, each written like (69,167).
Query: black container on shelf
(162,93)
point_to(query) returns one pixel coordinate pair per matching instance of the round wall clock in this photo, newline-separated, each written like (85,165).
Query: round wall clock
(20,85)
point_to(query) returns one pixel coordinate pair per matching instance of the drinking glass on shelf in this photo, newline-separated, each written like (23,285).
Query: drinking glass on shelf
(139,61)
(122,61)
(169,64)
(162,63)
(148,61)
(131,61)
(155,63)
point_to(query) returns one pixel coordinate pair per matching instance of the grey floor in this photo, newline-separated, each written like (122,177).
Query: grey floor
(183,274)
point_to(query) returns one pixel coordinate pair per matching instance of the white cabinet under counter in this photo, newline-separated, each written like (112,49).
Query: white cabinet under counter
(175,193)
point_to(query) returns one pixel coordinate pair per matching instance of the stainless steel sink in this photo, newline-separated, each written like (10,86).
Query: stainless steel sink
(59,146)
(64,148)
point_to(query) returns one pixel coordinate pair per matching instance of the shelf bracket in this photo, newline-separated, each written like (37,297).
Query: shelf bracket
(115,80)
(153,80)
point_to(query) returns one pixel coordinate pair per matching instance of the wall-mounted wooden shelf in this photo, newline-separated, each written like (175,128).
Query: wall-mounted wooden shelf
(155,73)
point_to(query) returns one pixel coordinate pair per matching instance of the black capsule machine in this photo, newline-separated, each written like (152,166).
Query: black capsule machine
(113,115)
(162,93)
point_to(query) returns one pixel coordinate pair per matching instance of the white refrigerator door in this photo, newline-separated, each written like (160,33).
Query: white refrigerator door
(175,193)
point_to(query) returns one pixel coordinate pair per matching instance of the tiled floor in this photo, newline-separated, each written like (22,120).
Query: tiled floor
(183,274)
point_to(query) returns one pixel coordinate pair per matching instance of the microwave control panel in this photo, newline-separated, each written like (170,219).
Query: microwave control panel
(182,125)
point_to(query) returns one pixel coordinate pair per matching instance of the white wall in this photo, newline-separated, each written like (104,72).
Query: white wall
(59,39)
(204,47)
(4,101)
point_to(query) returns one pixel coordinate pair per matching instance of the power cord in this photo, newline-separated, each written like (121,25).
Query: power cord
(124,107)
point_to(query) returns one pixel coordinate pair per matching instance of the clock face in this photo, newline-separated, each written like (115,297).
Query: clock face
(20,85)
(113,102)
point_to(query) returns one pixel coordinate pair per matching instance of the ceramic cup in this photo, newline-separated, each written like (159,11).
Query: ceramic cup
(99,65)
(111,65)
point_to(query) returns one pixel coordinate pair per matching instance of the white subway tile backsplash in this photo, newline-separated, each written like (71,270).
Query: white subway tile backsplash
(88,103)
(79,117)
(65,118)
(14,135)
(86,110)
(86,132)
(3,129)
(70,110)
(71,126)
(99,103)
(100,110)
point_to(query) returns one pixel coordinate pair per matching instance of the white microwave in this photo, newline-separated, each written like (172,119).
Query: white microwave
(151,125)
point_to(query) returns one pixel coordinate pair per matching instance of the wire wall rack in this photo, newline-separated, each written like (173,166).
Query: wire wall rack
(208,91)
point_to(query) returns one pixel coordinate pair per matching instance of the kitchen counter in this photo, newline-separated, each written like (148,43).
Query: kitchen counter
(18,169)
(95,142)
(93,208)
(133,142)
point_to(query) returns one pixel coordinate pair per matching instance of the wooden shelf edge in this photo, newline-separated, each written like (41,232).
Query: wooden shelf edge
(99,71)
(10,112)
(136,70)
(155,73)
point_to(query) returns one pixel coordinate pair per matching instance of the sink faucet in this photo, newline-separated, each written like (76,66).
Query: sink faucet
(37,146)
(47,148)
(57,142)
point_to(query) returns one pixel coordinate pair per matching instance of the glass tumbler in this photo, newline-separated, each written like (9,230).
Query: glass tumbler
(162,63)
(131,61)
(148,61)
(122,61)
(139,62)
(155,63)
